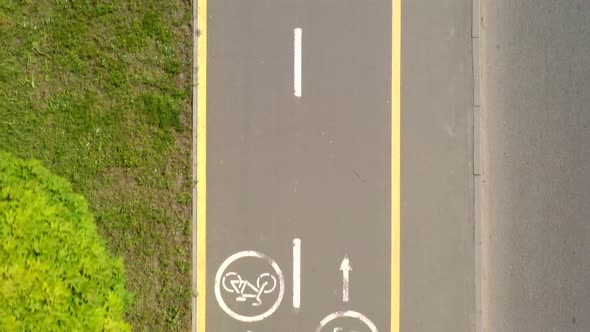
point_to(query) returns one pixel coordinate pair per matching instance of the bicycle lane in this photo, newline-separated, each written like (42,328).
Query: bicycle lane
(298,190)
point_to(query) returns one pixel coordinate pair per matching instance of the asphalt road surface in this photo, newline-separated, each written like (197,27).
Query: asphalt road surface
(536,83)
(299,188)
(437,269)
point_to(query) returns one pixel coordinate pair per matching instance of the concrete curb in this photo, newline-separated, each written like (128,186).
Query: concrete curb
(476,70)
(478,307)
(476,140)
(477,167)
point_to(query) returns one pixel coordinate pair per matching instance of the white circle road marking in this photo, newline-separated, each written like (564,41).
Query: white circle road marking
(350,314)
(235,257)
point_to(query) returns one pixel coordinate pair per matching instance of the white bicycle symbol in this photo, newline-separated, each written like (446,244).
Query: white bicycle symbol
(272,284)
(233,283)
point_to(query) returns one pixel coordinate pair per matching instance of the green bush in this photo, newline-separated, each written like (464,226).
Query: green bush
(55,271)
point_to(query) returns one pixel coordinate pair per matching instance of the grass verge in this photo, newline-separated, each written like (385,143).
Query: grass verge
(99,91)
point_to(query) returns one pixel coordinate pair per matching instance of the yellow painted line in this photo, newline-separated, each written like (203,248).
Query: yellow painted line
(396,19)
(201,165)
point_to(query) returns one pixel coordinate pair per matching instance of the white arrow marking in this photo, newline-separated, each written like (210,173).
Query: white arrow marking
(345,268)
